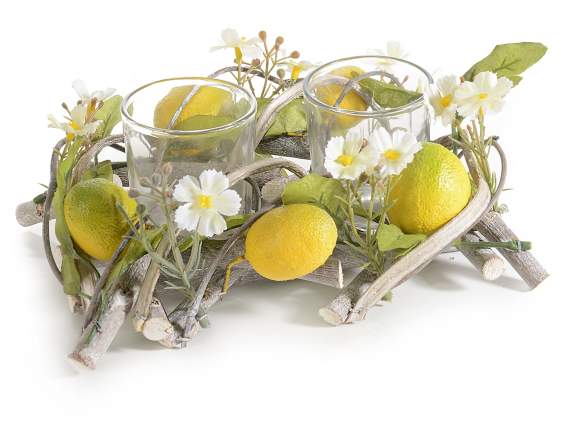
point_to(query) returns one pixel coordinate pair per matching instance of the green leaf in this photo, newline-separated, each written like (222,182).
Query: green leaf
(70,273)
(390,237)
(509,60)
(322,191)
(40,198)
(202,122)
(133,251)
(290,120)
(101,170)
(388,95)
(110,115)
(236,220)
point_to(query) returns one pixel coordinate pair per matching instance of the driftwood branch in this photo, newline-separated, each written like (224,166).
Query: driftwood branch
(99,334)
(418,258)
(337,312)
(486,261)
(493,228)
(141,310)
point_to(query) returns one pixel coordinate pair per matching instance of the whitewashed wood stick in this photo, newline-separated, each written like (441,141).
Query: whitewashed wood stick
(337,311)
(141,309)
(30,213)
(96,339)
(273,189)
(418,258)
(493,228)
(486,261)
(289,146)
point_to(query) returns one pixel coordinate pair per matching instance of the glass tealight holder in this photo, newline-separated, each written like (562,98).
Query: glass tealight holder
(358,93)
(194,124)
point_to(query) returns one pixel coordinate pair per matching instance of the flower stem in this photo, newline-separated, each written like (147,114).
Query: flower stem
(514,245)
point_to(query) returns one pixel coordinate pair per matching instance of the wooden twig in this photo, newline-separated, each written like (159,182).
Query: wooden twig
(272,191)
(418,258)
(493,228)
(30,213)
(289,146)
(337,311)
(141,309)
(95,340)
(486,261)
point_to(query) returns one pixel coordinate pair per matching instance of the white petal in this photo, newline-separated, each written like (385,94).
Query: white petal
(54,123)
(186,189)
(448,114)
(187,218)
(250,51)
(211,223)
(213,182)
(335,148)
(496,105)
(448,84)
(381,139)
(334,168)
(103,94)
(352,171)
(504,85)
(227,203)
(253,41)
(230,37)
(81,89)
(485,81)
(89,128)
(395,50)
(466,90)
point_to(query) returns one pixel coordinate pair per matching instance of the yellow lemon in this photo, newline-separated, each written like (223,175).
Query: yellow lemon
(208,101)
(330,93)
(290,241)
(431,191)
(95,223)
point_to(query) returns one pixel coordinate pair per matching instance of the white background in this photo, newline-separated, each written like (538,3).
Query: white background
(451,352)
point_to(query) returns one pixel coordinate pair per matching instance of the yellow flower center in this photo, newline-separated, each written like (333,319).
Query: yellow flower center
(296,72)
(205,201)
(238,54)
(483,96)
(392,154)
(74,125)
(446,101)
(345,160)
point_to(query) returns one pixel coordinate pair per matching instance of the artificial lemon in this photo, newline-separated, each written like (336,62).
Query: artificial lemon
(290,241)
(95,223)
(209,101)
(330,93)
(431,191)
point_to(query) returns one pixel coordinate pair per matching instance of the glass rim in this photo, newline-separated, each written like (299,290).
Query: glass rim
(360,113)
(127,118)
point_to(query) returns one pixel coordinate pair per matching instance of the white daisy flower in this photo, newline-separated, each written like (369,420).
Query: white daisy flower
(241,45)
(349,157)
(396,149)
(393,49)
(297,67)
(484,94)
(207,201)
(85,96)
(441,98)
(76,124)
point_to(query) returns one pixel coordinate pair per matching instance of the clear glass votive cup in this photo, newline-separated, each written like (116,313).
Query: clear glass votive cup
(338,97)
(194,124)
